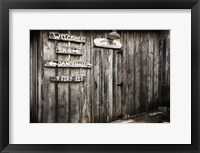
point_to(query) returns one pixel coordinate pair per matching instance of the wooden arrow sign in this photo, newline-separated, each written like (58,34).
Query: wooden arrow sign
(67,79)
(107,43)
(67,64)
(69,51)
(66,37)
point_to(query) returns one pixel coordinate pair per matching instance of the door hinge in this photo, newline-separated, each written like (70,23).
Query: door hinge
(120,84)
(120,51)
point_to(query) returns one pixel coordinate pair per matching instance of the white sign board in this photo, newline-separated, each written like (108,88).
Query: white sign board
(67,64)
(67,79)
(107,43)
(66,37)
(68,51)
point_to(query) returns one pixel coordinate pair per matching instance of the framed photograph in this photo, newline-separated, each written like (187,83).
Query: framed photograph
(99,76)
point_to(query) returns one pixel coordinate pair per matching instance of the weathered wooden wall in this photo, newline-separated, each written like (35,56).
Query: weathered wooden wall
(120,84)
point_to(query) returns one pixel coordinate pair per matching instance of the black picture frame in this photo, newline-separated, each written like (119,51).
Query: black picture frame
(5,5)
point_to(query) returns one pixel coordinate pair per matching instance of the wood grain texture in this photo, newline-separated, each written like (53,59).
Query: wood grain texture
(138,73)
(121,83)
(49,103)
(40,75)
(63,91)
(130,73)
(150,71)
(83,86)
(91,77)
(105,83)
(33,81)
(96,74)
(75,92)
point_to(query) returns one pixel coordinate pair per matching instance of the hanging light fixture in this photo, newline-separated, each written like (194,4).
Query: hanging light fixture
(113,35)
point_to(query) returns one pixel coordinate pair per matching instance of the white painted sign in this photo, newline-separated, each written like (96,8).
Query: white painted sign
(66,37)
(67,78)
(67,64)
(107,43)
(68,51)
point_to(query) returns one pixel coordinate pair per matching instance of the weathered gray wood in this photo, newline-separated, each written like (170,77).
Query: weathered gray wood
(105,83)
(39,75)
(144,72)
(167,77)
(137,73)
(96,72)
(63,92)
(32,92)
(33,72)
(134,72)
(75,99)
(107,43)
(71,79)
(157,61)
(91,78)
(66,64)
(86,112)
(151,71)
(164,68)
(66,37)
(114,84)
(68,51)
(119,83)
(110,84)
(49,103)
(130,73)
(83,92)
(101,85)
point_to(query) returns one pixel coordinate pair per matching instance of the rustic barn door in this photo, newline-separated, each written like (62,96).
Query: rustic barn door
(106,81)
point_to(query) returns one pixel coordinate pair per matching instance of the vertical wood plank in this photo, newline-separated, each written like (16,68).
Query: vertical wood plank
(33,72)
(130,72)
(124,74)
(86,85)
(137,72)
(104,53)
(134,72)
(100,104)
(114,84)
(82,85)
(69,88)
(164,44)
(49,87)
(63,93)
(157,77)
(56,85)
(151,72)
(101,109)
(75,102)
(89,73)
(40,74)
(110,82)
(106,84)
(96,73)
(91,79)
(118,82)
(167,69)
(144,72)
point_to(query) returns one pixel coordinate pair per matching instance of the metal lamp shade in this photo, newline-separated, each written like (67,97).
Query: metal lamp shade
(113,35)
